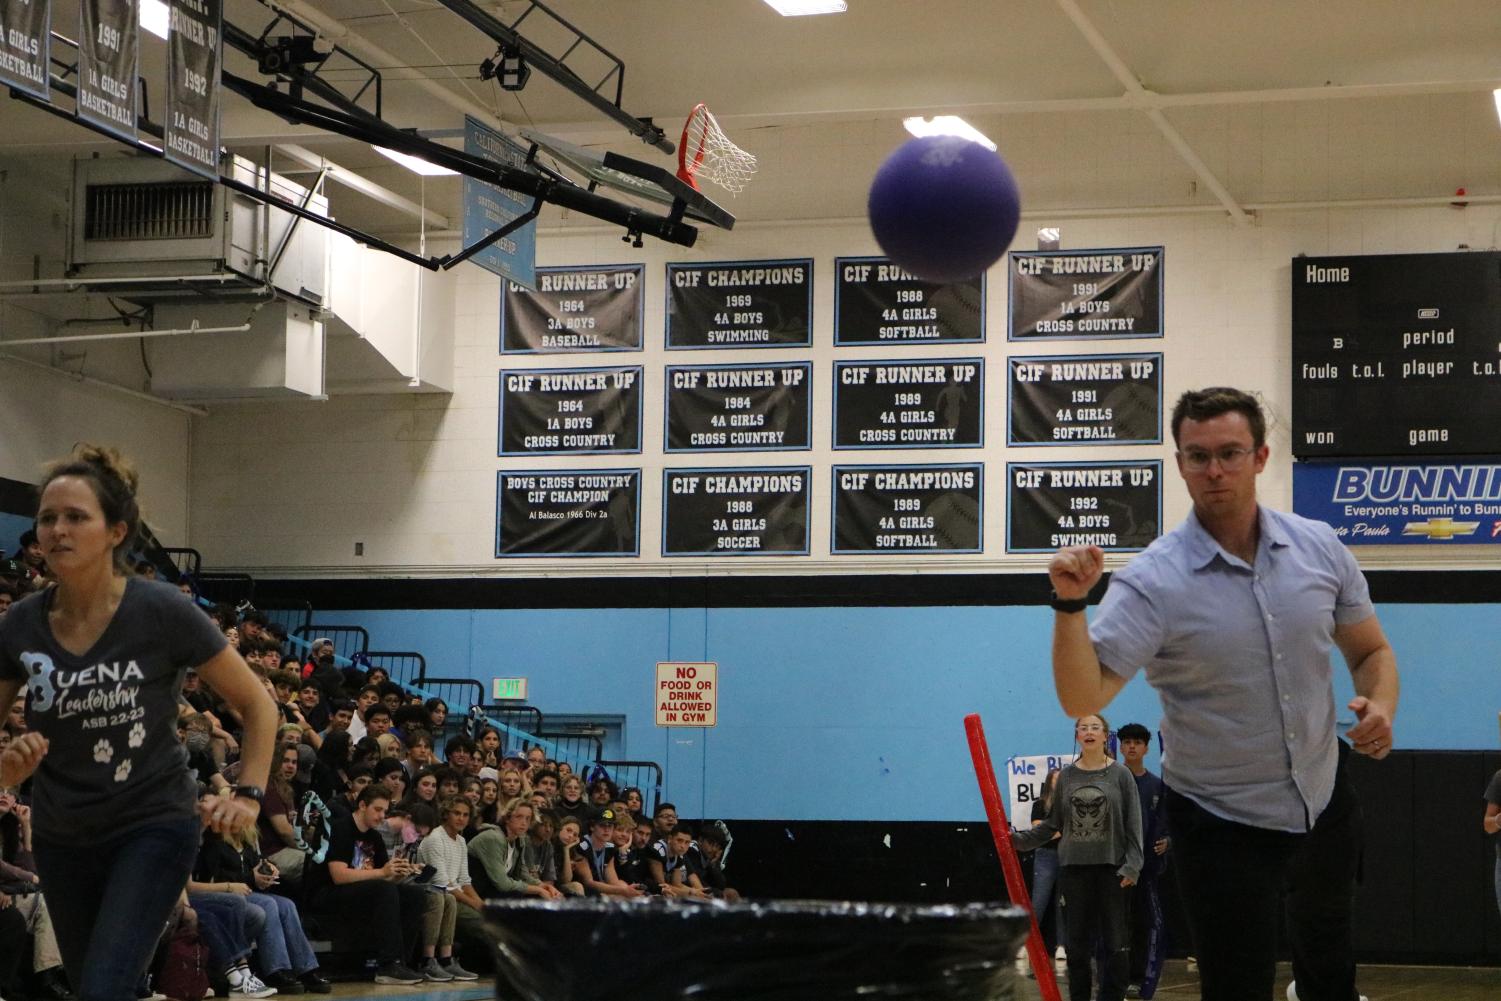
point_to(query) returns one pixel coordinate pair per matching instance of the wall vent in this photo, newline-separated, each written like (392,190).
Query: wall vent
(154,211)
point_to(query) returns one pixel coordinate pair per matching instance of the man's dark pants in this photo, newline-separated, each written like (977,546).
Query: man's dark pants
(1232,877)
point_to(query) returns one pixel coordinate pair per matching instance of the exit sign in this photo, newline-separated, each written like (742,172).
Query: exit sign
(508,689)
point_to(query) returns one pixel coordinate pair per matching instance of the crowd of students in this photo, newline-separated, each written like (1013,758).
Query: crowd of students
(384,822)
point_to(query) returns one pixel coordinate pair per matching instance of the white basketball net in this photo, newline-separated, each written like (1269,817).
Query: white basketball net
(705,151)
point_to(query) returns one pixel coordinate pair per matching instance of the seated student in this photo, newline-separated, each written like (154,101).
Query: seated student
(547,783)
(18,874)
(419,751)
(602,793)
(503,857)
(222,925)
(631,864)
(407,720)
(314,709)
(392,696)
(711,845)
(321,646)
(377,721)
(563,846)
(461,908)
(571,802)
(459,754)
(342,805)
(389,773)
(677,876)
(364,886)
(194,694)
(341,714)
(450,783)
(664,819)
(539,861)
(196,734)
(366,751)
(364,699)
(594,865)
(277,823)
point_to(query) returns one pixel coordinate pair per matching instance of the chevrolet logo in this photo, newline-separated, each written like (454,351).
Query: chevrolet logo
(1440,529)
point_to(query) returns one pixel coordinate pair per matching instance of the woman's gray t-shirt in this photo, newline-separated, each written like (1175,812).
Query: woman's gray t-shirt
(110,716)
(1099,814)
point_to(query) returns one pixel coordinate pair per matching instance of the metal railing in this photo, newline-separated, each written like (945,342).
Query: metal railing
(347,640)
(643,775)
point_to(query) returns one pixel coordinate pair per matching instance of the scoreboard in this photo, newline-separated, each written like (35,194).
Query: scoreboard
(1396,355)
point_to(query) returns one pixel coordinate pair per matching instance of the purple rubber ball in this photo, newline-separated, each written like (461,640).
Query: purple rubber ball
(944,208)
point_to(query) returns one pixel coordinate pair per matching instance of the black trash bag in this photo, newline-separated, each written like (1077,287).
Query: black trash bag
(602,949)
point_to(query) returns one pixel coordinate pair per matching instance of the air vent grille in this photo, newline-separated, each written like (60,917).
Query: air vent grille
(175,210)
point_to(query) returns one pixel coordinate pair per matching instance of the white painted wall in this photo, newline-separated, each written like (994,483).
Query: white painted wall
(413,478)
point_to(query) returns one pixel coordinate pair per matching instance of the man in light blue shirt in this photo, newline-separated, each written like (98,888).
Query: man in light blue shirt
(1233,615)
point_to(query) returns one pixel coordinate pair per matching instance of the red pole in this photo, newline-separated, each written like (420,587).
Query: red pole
(1000,829)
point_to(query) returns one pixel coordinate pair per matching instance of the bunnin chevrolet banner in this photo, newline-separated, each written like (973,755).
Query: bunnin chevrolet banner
(1392,504)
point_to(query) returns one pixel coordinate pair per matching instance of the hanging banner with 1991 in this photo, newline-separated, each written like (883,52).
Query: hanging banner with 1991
(740,304)
(108,46)
(588,512)
(1063,294)
(573,309)
(1114,505)
(1085,400)
(908,509)
(877,302)
(737,511)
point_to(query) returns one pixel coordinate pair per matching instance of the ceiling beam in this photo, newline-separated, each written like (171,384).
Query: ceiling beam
(366,187)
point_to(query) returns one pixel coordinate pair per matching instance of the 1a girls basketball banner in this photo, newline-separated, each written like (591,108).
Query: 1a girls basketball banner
(574,310)
(25,37)
(1114,505)
(194,53)
(934,403)
(1062,294)
(108,42)
(877,302)
(487,208)
(908,509)
(737,408)
(591,512)
(1084,400)
(1393,504)
(570,411)
(739,511)
(740,304)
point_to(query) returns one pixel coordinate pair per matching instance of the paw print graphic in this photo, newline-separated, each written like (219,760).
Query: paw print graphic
(123,771)
(103,751)
(137,735)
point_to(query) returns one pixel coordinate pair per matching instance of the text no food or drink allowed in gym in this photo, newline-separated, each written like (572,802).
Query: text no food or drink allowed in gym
(570,411)
(1114,505)
(910,403)
(1064,294)
(738,408)
(576,309)
(1084,400)
(908,509)
(877,302)
(736,511)
(740,304)
(566,513)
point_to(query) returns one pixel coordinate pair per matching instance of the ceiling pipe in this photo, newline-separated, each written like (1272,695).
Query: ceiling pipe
(127,334)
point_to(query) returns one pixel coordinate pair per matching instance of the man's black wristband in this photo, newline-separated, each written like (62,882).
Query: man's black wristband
(250,792)
(1068,604)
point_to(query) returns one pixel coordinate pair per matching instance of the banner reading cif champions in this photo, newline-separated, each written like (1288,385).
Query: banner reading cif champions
(1402,503)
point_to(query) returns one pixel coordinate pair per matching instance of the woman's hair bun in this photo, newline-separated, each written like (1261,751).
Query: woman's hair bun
(108,461)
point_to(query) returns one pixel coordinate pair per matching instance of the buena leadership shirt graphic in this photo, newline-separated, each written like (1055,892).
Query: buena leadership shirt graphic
(109,715)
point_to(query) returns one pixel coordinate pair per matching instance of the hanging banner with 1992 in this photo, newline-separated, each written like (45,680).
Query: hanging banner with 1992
(1114,505)
(1085,400)
(938,403)
(588,512)
(739,511)
(908,509)
(194,53)
(737,408)
(877,302)
(573,309)
(740,304)
(567,411)
(1063,294)
(25,41)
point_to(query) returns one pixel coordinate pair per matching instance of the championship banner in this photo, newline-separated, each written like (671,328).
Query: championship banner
(938,403)
(1114,505)
(1392,504)
(591,512)
(25,45)
(570,411)
(108,44)
(908,509)
(739,511)
(877,302)
(582,309)
(194,54)
(1065,294)
(1084,400)
(487,208)
(740,304)
(738,408)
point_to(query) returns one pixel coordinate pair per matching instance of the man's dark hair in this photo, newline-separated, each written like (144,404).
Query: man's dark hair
(446,774)
(355,771)
(711,834)
(1134,731)
(278,630)
(371,793)
(682,829)
(255,615)
(663,807)
(341,705)
(369,688)
(416,735)
(28,538)
(548,773)
(310,683)
(376,710)
(459,743)
(287,679)
(410,719)
(1202,404)
(391,688)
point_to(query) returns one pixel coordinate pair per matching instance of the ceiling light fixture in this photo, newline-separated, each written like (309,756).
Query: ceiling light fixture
(153,17)
(415,164)
(947,125)
(800,8)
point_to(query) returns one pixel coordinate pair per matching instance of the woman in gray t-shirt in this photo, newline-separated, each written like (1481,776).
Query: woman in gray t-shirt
(102,656)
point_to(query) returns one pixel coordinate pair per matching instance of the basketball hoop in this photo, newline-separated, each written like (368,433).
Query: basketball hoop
(705,151)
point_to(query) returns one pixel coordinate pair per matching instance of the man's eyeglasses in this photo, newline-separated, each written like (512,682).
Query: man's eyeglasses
(1230,458)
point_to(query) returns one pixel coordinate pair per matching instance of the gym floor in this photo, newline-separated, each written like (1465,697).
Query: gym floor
(1379,983)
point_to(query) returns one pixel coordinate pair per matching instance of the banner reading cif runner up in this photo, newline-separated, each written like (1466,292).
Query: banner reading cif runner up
(735,511)
(1085,400)
(194,53)
(740,304)
(908,509)
(910,404)
(588,512)
(574,309)
(877,302)
(562,411)
(737,408)
(1062,294)
(1114,505)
